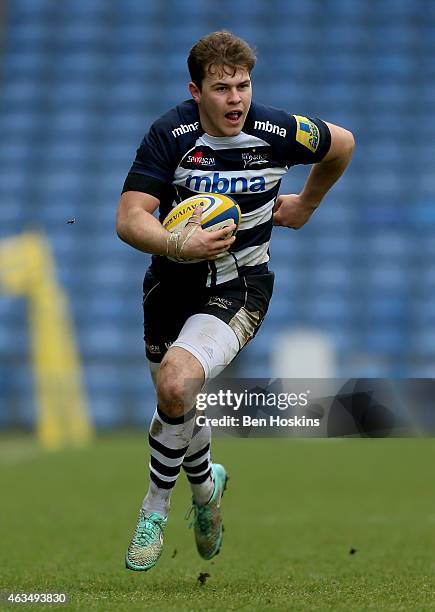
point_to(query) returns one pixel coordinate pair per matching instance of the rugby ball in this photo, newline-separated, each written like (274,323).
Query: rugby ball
(218,211)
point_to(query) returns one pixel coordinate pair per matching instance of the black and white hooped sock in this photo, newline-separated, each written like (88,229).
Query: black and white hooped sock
(197,465)
(169,439)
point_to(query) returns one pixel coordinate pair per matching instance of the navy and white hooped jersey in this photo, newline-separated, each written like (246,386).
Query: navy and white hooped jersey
(177,159)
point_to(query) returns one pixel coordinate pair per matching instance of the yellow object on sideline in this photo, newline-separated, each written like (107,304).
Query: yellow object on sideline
(27,269)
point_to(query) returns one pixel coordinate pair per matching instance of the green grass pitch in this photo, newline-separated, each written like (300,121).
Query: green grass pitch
(293,511)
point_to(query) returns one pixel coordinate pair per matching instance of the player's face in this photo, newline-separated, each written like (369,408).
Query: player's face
(223,101)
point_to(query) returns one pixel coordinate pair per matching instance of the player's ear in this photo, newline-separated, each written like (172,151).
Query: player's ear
(195,92)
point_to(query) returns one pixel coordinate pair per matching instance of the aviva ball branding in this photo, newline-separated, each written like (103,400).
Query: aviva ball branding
(218,211)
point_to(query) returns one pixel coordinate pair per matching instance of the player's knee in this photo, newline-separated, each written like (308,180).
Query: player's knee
(171,391)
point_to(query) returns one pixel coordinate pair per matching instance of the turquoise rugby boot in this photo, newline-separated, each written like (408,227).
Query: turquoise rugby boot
(147,543)
(207,520)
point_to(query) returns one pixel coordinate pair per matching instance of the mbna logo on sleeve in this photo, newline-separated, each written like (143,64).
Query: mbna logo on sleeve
(266,126)
(185,128)
(307,133)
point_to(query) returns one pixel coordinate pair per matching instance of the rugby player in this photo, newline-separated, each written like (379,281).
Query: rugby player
(197,317)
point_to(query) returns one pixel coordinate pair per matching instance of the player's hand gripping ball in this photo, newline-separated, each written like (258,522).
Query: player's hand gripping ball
(218,211)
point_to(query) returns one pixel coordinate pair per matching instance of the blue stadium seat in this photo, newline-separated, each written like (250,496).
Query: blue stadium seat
(29,33)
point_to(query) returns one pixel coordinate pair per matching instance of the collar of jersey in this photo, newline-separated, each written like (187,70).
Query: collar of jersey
(222,139)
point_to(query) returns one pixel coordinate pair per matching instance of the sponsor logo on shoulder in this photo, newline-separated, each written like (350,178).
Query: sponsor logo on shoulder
(266,126)
(307,133)
(184,128)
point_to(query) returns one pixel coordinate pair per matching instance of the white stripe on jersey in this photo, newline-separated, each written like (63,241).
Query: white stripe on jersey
(257,216)
(251,256)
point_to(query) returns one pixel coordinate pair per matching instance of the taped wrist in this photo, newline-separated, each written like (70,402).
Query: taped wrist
(187,234)
(176,241)
(172,243)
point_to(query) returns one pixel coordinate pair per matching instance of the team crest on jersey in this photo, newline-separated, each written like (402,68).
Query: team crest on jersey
(251,160)
(307,133)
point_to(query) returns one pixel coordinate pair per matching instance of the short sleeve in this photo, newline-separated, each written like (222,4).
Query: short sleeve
(309,140)
(153,168)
